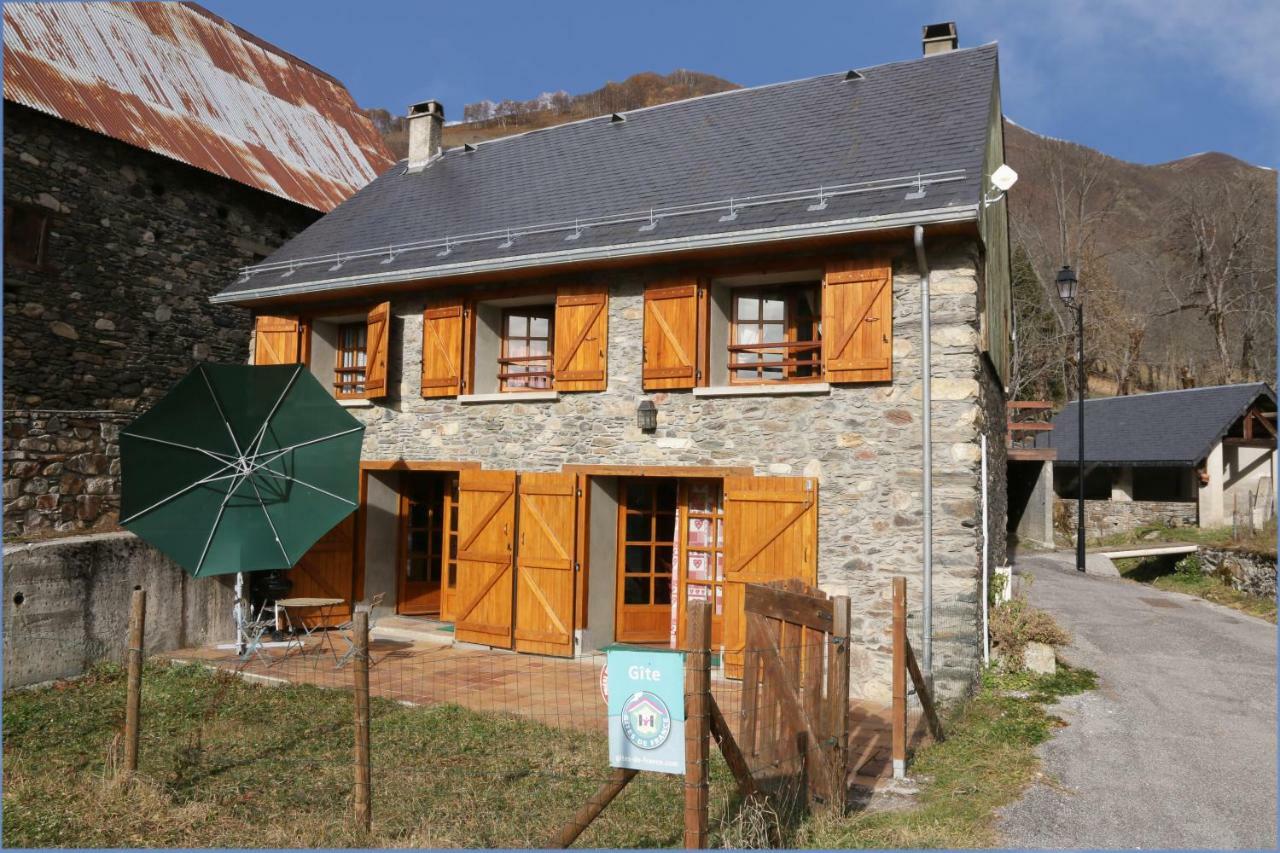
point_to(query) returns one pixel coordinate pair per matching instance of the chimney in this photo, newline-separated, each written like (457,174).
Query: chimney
(940,38)
(426,129)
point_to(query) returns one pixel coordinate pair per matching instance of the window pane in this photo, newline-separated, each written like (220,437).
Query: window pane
(418,513)
(662,590)
(666,528)
(418,541)
(639,496)
(636,591)
(748,334)
(417,569)
(748,308)
(539,327)
(517,348)
(667,497)
(637,559)
(773,333)
(774,309)
(638,528)
(662,559)
(517,325)
(538,347)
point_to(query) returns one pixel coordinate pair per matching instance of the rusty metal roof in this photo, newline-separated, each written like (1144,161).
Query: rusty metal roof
(177,80)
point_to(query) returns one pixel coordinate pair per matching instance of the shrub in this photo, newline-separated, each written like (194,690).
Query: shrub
(1015,623)
(1189,566)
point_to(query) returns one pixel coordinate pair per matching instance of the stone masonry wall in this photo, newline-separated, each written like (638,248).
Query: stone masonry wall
(136,245)
(1245,570)
(1107,517)
(861,442)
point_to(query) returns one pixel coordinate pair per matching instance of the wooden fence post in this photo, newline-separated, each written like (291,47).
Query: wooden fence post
(899,678)
(133,696)
(360,676)
(837,712)
(697,724)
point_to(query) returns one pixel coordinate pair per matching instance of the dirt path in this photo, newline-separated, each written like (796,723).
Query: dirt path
(1177,748)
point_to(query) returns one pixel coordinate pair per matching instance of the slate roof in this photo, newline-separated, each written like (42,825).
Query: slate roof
(926,116)
(179,81)
(1164,428)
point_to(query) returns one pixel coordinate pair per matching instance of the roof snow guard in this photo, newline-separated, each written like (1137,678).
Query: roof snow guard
(901,145)
(177,80)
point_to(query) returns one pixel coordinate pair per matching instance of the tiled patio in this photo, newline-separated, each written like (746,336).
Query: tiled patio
(555,691)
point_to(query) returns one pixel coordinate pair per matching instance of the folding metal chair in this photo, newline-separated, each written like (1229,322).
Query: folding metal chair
(347,629)
(255,628)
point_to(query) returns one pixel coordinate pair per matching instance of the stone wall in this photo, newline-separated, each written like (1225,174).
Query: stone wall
(1106,517)
(862,443)
(67,604)
(1247,571)
(119,311)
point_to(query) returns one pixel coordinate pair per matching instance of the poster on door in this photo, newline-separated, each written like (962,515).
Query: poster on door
(646,710)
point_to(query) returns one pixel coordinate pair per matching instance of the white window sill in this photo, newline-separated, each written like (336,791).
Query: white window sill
(780,390)
(356,404)
(510,397)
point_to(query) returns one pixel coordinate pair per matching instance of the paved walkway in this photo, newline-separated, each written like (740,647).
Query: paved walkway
(1178,746)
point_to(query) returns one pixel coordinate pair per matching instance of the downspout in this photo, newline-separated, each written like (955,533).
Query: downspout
(926,440)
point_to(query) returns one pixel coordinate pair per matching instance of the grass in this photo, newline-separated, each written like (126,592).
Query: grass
(1159,572)
(228,763)
(986,762)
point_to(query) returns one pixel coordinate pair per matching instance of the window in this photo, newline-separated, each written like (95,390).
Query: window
(776,334)
(351,360)
(25,235)
(525,363)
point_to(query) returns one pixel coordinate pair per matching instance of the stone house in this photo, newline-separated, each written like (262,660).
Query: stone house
(150,149)
(1192,457)
(641,359)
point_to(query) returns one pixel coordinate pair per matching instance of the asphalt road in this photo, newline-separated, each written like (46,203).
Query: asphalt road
(1177,747)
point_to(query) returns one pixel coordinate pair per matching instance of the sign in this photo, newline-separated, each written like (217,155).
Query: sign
(646,709)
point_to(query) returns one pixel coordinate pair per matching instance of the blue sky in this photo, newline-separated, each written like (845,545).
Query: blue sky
(1142,80)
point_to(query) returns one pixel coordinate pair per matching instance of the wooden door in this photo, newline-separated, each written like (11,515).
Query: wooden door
(546,563)
(327,570)
(701,553)
(424,542)
(771,533)
(646,552)
(486,528)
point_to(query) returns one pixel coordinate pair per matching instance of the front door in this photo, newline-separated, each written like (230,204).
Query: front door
(425,522)
(646,554)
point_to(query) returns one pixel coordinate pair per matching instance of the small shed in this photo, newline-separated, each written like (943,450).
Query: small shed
(1197,456)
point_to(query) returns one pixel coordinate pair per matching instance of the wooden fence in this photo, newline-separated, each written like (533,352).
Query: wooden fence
(904,664)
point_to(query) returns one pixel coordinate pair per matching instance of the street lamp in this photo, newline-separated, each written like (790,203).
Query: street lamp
(1068,285)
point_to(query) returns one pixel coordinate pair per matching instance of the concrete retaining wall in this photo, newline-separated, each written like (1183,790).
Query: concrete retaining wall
(67,605)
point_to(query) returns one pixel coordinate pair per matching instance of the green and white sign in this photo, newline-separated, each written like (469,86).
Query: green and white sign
(646,709)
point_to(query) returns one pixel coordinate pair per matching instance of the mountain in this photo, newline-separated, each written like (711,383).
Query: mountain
(491,119)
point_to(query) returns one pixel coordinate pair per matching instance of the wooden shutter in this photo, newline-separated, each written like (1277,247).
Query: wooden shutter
(582,338)
(486,526)
(546,563)
(770,533)
(442,347)
(277,340)
(857,321)
(672,315)
(377,333)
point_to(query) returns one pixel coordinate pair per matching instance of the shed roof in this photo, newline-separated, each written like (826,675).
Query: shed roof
(1163,428)
(177,80)
(890,145)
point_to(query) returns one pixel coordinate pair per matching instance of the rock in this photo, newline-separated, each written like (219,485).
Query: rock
(64,330)
(1039,658)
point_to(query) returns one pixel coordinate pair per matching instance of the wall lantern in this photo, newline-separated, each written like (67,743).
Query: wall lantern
(647,416)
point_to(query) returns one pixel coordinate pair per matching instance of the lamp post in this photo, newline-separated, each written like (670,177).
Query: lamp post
(1068,285)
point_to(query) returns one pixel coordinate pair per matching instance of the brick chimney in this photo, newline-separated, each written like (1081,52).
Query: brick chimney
(940,38)
(426,130)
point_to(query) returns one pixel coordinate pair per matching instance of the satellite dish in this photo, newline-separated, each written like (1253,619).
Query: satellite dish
(1004,178)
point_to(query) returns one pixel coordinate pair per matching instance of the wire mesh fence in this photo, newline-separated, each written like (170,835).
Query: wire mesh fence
(468,747)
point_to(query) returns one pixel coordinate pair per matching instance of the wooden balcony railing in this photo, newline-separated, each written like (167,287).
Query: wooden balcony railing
(1026,419)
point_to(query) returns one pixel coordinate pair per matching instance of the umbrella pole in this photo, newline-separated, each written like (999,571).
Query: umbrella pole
(238,613)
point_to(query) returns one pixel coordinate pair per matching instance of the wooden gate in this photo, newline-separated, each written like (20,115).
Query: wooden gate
(545,563)
(486,530)
(795,687)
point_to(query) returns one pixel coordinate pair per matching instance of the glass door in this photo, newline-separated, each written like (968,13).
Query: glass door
(422,544)
(646,552)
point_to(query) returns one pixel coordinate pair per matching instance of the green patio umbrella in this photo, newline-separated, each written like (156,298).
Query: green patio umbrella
(239,468)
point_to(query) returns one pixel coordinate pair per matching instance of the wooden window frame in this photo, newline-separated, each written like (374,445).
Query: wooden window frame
(791,346)
(358,371)
(506,361)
